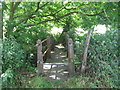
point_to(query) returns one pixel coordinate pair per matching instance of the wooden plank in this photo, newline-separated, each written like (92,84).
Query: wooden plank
(59,63)
(60,68)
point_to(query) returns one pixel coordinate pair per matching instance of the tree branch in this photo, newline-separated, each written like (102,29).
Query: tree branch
(65,16)
(12,9)
(16,5)
(30,15)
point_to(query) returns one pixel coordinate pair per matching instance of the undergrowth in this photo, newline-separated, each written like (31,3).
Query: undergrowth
(74,82)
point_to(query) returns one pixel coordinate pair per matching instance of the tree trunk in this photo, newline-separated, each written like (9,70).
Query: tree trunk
(10,24)
(84,62)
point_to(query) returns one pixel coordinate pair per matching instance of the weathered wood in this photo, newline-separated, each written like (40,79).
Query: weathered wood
(39,57)
(84,62)
(44,40)
(71,57)
(48,46)
(61,68)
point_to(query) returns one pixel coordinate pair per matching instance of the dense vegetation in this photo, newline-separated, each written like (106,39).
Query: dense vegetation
(24,23)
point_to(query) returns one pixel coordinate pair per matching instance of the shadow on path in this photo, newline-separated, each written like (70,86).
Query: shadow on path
(57,72)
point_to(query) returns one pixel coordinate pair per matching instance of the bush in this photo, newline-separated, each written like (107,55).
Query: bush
(103,57)
(13,55)
(13,60)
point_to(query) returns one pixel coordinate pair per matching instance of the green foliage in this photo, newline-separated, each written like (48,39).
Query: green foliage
(13,55)
(8,78)
(13,61)
(39,82)
(74,82)
(29,22)
(103,57)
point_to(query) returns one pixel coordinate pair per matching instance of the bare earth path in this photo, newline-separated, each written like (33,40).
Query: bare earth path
(57,72)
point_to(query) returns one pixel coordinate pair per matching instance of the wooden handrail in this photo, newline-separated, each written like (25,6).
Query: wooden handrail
(44,40)
(59,63)
(46,51)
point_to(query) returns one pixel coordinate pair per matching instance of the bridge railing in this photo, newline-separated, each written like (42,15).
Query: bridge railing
(40,55)
(70,55)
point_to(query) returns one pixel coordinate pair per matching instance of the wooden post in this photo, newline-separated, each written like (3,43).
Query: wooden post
(48,46)
(71,57)
(84,62)
(39,57)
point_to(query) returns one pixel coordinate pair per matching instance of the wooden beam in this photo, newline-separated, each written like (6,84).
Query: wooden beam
(39,57)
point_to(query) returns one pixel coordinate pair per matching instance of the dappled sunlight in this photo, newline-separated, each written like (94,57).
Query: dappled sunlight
(56,30)
(60,46)
(80,31)
(100,29)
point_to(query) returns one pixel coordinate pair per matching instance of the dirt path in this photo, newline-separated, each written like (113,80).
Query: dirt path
(58,55)
(57,72)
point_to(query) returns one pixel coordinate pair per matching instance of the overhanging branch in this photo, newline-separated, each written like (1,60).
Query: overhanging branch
(30,15)
(65,16)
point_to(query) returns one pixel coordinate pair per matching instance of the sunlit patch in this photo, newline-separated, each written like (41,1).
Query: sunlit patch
(80,31)
(59,46)
(52,76)
(63,56)
(100,29)
(58,78)
(46,66)
(65,72)
(52,52)
(54,66)
(56,30)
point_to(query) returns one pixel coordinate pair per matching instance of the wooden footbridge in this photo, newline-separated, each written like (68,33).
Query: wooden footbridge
(59,64)
(57,68)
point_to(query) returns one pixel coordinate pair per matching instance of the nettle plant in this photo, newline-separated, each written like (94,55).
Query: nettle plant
(103,56)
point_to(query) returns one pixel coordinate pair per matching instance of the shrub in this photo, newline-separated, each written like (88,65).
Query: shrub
(13,59)
(103,57)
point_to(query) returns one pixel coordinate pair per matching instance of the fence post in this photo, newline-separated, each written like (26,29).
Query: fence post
(48,46)
(84,62)
(39,57)
(71,57)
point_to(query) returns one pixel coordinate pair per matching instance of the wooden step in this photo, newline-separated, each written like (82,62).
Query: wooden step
(59,68)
